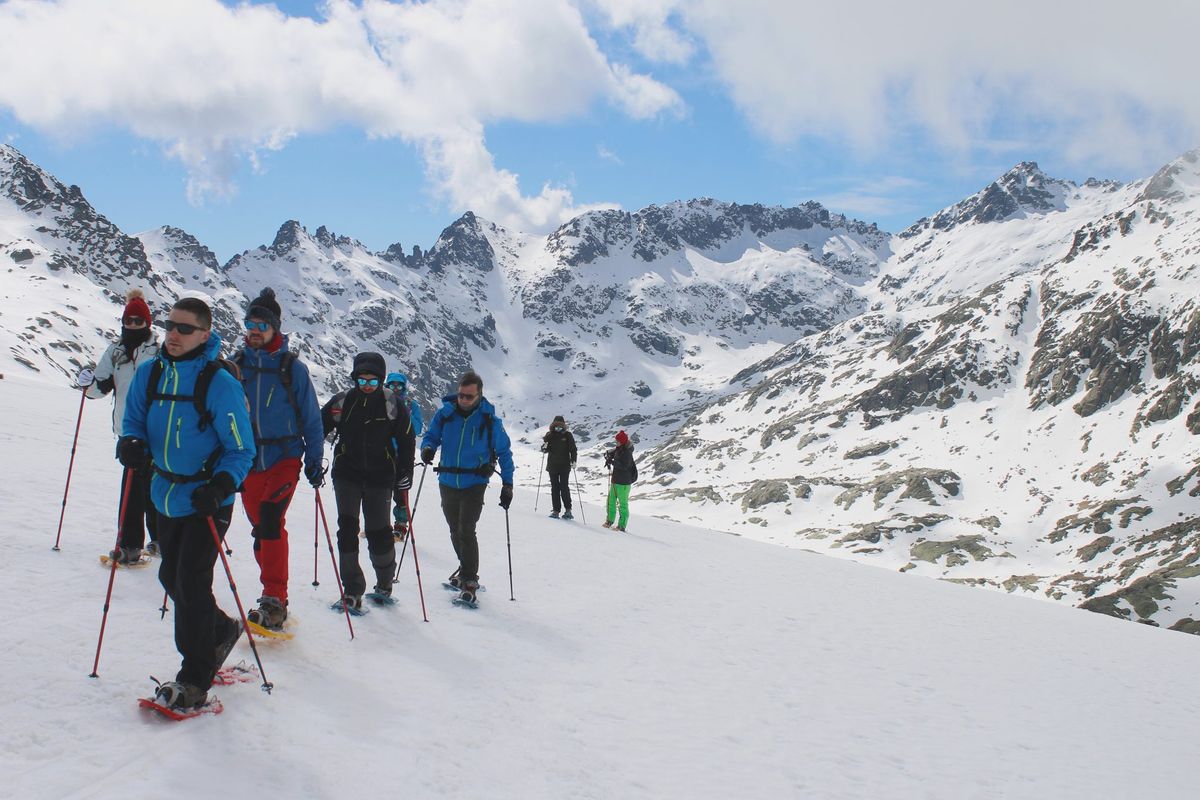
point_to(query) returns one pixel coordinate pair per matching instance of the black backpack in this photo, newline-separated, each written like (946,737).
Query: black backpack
(199,396)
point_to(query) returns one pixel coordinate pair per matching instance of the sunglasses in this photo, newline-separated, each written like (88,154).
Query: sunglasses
(368,381)
(251,325)
(465,396)
(184,328)
(133,322)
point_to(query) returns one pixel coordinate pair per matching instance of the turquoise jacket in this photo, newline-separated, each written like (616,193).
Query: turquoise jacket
(171,427)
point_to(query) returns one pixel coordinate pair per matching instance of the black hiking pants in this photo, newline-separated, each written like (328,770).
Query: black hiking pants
(188,557)
(462,508)
(139,514)
(375,503)
(560,490)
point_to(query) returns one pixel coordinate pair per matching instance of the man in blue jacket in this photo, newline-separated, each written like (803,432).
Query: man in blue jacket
(287,425)
(473,440)
(185,418)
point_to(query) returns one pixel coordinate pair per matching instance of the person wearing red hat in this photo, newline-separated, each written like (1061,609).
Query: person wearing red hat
(624,474)
(114,373)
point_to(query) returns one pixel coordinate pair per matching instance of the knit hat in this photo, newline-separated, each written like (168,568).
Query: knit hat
(265,307)
(368,364)
(397,377)
(559,418)
(622,438)
(135,306)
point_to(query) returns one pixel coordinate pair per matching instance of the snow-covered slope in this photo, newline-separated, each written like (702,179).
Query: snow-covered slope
(1034,434)
(1003,394)
(668,662)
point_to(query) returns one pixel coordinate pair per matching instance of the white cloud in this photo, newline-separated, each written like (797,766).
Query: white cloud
(217,84)
(608,155)
(1096,79)
(654,35)
(886,196)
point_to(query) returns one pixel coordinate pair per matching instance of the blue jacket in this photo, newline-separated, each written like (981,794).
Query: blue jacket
(277,432)
(171,427)
(466,444)
(414,413)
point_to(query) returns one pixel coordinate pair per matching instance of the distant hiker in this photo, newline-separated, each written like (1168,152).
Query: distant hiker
(398,382)
(114,373)
(624,474)
(559,446)
(199,460)
(287,425)
(372,459)
(475,441)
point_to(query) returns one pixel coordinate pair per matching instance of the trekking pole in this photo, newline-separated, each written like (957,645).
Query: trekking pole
(508,540)
(579,495)
(71,465)
(267,686)
(162,611)
(416,561)
(333,558)
(539,489)
(112,574)
(413,511)
(315,529)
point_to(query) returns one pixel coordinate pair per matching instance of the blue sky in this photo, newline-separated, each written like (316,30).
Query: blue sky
(386,120)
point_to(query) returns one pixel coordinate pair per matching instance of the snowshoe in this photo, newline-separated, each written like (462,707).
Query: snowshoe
(270,614)
(553,515)
(568,515)
(351,603)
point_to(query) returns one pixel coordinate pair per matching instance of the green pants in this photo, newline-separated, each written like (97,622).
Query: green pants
(618,497)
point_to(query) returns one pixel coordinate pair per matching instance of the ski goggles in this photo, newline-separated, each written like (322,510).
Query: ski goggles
(251,325)
(367,381)
(398,385)
(184,328)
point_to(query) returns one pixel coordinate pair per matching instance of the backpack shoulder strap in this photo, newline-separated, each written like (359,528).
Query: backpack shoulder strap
(200,393)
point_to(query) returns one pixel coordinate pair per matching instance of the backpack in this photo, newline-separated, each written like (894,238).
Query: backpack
(199,396)
(284,370)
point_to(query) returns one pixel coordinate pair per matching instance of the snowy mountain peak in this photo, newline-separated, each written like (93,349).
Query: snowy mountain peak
(463,243)
(1023,191)
(183,246)
(1176,181)
(31,187)
(288,237)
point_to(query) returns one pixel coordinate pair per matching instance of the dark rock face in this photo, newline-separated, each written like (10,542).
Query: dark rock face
(188,247)
(463,244)
(1163,186)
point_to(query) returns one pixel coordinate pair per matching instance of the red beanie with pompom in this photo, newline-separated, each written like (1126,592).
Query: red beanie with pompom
(622,438)
(135,306)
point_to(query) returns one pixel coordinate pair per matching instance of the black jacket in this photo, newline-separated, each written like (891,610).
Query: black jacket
(375,442)
(620,458)
(559,447)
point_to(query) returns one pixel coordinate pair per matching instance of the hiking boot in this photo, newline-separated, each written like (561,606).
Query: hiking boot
(182,696)
(152,550)
(270,613)
(553,515)
(125,555)
(454,581)
(607,523)
(469,588)
(400,531)
(382,591)
(226,639)
(568,515)
(620,528)
(352,601)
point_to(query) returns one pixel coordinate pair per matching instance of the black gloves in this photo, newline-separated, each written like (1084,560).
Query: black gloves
(207,497)
(506,496)
(315,473)
(133,453)
(427,455)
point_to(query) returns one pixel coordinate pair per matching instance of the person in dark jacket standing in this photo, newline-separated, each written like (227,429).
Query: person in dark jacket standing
(198,462)
(398,382)
(624,473)
(372,459)
(287,425)
(114,373)
(559,446)
(472,440)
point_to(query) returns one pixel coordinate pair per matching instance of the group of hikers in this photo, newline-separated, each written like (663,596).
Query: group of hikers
(194,429)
